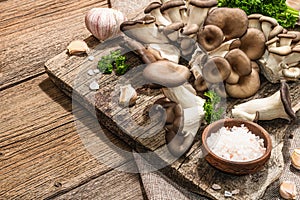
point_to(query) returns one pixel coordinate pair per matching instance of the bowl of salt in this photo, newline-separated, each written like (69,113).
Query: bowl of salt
(236,146)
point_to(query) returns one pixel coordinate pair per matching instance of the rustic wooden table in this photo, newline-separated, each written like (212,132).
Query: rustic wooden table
(41,153)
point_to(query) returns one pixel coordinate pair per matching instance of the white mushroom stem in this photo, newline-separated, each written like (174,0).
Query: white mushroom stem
(174,14)
(283,41)
(266,28)
(167,51)
(268,108)
(292,72)
(185,95)
(293,57)
(160,19)
(196,15)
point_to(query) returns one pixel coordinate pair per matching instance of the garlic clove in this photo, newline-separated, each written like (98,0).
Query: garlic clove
(77,47)
(295,158)
(128,95)
(288,190)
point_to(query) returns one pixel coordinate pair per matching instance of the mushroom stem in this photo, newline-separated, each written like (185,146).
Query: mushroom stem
(167,51)
(275,106)
(296,107)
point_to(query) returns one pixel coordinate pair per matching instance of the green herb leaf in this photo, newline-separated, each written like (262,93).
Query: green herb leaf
(114,59)
(211,107)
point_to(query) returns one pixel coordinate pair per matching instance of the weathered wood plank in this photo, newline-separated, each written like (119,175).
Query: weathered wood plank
(43,145)
(32,32)
(193,171)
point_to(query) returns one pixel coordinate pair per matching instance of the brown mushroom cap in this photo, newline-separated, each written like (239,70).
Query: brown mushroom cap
(152,6)
(176,26)
(286,100)
(255,66)
(297,38)
(166,73)
(271,20)
(253,43)
(216,69)
(276,31)
(200,84)
(203,3)
(190,30)
(232,21)
(171,4)
(210,37)
(128,25)
(287,35)
(235,44)
(273,40)
(246,87)
(282,51)
(239,62)
(255,16)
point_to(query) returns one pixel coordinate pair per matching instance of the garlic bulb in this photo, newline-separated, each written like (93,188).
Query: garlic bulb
(128,95)
(104,23)
(288,190)
(295,158)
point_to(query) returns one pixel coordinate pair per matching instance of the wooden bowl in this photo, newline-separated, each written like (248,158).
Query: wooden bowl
(237,167)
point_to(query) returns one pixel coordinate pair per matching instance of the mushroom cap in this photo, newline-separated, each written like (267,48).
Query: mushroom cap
(286,100)
(255,16)
(200,84)
(246,87)
(296,49)
(271,20)
(276,31)
(128,25)
(210,37)
(232,21)
(297,38)
(239,62)
(235,44)
(216,69)
(171,4)
(166,73)
(273,40)
(176,26)
(203,3)
(282,51)
(152,6)
(253,43)
(190,30)
(255,66)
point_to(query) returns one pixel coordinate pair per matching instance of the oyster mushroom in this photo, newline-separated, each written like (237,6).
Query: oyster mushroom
(275,31)
(275,106)
(172,10)
(253,43)
(210,37)
(254,21)
(166,73)
(154,10)
(224,48)
(286,39)
(247,86)
(232,21)
(267,23)
(216,69)
(144,30)
(172,31)
(167,51)
(198,10)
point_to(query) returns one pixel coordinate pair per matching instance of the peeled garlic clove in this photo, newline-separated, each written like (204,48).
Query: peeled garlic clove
(77,47)
(128,95)
(295,158)
(104,23)
(288,190)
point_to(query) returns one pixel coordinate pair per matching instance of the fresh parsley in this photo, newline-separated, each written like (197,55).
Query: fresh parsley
(113,61)
(285,15)
(211,107)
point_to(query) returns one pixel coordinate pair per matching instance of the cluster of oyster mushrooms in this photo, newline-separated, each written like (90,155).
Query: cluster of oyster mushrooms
(226,50)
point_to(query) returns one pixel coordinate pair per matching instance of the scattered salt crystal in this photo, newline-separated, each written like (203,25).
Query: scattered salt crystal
(96,71)
(94,85)
(91,72)
(227,194)
(91,58)
(236,144)
(234,192)
(216,187)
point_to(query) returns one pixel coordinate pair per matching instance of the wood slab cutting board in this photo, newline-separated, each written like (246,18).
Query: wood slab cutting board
(145,134)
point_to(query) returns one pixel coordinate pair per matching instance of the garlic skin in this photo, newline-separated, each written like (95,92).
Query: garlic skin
(128,95)
(104,23)
(288,190)
(295,158)
(77,47)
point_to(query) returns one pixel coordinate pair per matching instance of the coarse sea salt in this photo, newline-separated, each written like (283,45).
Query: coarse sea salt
(236,144)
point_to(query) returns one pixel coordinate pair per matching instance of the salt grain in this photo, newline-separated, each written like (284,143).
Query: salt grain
(91,58)
(96,71)
(236,144)
(216,187)
(94,85)
(91,72)
(227,194)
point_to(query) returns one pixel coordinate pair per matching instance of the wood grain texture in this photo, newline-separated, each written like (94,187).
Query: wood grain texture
(42,152)
(32,32)
(192,171)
